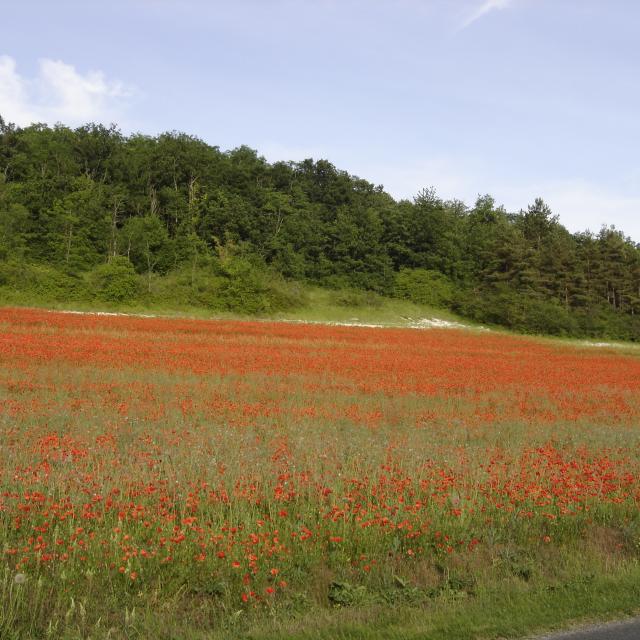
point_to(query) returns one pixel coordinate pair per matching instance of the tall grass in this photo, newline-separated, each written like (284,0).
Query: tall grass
(192,479)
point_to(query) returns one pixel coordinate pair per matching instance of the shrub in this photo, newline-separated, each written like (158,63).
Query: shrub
(356,298)
(190,287)
(424,286)
(252,289)
(115,281)
(519,312)
(41,283)
(545,316)
(604,322)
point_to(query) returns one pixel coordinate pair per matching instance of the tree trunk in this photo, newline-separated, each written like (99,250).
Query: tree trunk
(69,236)
(149,267)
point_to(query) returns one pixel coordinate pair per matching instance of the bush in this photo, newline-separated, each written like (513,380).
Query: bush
(487,306)
(284,294)
(356,298)
(358,280)
(115,281)
(424,286)
(516,311)
(545,316)
(239,284)
(188,287)
(604,322)
(250,287)
(40,283)
(243,290)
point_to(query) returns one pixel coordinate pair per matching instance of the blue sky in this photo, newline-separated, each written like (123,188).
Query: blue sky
(516,98)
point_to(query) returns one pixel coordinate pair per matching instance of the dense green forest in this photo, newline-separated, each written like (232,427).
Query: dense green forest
(90,214)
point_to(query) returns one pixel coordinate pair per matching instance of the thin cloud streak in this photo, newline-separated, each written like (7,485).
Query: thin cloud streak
(483,9)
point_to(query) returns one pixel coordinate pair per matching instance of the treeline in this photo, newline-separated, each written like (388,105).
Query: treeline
(89,213)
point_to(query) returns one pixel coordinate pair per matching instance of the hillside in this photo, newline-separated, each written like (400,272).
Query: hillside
(90,216)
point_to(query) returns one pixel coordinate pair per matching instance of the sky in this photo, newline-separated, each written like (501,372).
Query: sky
(514,98)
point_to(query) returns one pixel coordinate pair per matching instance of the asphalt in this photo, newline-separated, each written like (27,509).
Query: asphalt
(625,630)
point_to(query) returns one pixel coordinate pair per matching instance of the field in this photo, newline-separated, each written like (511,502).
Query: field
(177,478)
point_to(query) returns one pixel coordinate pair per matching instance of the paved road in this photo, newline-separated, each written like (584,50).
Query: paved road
(627,630)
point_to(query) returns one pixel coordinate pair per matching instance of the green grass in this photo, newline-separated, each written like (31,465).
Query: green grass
(321,305)
(494,613)
(324,306)
(508,610)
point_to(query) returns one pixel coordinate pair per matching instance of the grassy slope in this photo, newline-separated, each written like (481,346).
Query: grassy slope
(320,307)
(392,312)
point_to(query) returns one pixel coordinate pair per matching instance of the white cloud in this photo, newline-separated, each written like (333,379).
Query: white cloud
(13,99)
(486,7)
(59,93)
(581,205)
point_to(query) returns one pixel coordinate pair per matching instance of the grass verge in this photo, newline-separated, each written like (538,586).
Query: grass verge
(500,611)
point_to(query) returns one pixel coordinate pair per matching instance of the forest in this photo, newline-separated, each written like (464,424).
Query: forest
(90,214)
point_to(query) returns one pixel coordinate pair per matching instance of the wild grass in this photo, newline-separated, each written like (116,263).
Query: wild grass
(187,479)
(316,305)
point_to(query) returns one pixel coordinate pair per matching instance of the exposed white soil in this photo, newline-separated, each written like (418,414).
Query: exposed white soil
(420,323)
(600,344)
(439,323)
(404,323)
(103,313)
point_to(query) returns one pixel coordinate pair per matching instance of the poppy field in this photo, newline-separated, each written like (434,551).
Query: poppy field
(217,476)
